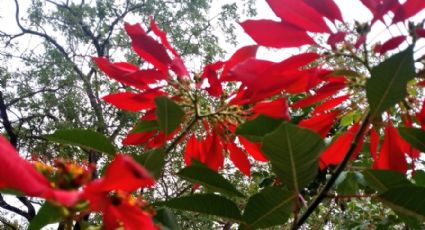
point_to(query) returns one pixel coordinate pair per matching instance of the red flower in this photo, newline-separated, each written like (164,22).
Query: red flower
(110,195)
(17,173)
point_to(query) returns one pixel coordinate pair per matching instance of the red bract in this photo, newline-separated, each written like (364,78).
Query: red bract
(210,73)
(17,173)
(335,152)
(134,102)
(276,34)
(110,194)
(390,44)
(335,38)
(207,151)
(391,156)
(321,124)
(330,104)
(277,109)
(326,8)
(379,8)
(321,93)
(408,9)
(254,149)
(299,14)
(239,56)
(239,158)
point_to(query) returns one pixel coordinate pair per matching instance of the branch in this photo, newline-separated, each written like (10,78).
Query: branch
(11,208)
(86,83)
(9,225)
(323,194)
(13,138)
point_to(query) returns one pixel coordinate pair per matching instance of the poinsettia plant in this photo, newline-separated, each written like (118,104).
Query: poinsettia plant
(352,104)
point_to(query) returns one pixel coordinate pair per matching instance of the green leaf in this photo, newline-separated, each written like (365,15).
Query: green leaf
(210,179)
(272,206)
(83,138)
(209,204)
(415,137)
(145,126)
(169,114)
(408,200)
(153,161)
(387,85)
(347,183)
(47,214)
(256,129)
(382,180)
(293,153)
(166,219)
(345,72)
(419,178)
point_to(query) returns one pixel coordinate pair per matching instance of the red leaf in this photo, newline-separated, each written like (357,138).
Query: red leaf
(277,109)
(322,93)
(253,149)
(335,152)
(125,174)
(391,156)
(390,44)
(330,104)
(210,73)
(327,8)
(380,8)
(131,216)
(360,41)
(191,150)
(299,14)
(320,124)
(147,48)
(138,138)
(420,116)
(212,152)
(177,64)
(408,9)
(420,32)
(335,38)
(239,56)
(276,34)
(17,173)
(239,159)
(293,63)
(133,101)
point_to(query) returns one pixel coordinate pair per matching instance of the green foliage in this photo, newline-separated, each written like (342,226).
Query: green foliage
(86,139)
(293,153)
(388,82)
(153,161)
(407,200)
(208,204)
(415,137)
(213,181)
(257,128)
(382,180)
(47,214)
(169,114)
(270,207)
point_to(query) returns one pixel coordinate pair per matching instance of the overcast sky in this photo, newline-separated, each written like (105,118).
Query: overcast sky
(351,10)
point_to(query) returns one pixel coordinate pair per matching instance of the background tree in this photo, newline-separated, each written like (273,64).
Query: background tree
(48,80)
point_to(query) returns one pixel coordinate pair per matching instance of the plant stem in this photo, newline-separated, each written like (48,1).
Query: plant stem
(323,194)
(181,135)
